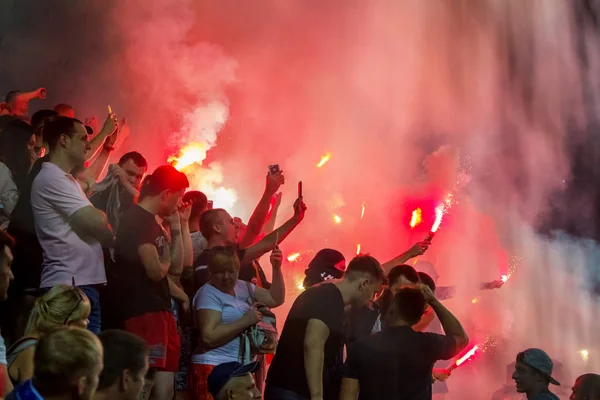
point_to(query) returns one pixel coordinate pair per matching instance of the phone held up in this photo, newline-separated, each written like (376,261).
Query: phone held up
(273,169)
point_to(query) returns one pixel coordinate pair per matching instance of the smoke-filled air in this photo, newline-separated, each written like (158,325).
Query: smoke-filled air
(391,113)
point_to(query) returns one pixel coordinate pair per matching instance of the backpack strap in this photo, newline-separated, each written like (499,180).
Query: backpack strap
(251,300)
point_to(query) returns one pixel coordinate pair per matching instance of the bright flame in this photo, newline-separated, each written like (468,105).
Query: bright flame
(193,153)
(358,249)
(469,354)
(416,218)
(324,160)
(300,284)
(439,213)
(584,354)
(504,278)
(362,212)
(474,301)
(293,257)
(337,219)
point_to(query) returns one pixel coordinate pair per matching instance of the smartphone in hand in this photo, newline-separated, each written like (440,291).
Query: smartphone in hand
(273,169)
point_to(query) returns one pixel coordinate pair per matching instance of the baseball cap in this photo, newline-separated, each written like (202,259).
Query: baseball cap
(539,360)
(327,264)
(222,373)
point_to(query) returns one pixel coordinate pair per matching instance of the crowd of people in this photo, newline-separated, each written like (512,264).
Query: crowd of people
(117,283)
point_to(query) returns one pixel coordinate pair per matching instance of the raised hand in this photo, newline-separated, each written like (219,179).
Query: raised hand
(276,258)
(274,182)
(299,210)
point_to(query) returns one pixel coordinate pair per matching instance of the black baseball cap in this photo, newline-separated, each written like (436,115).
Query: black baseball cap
(222,373)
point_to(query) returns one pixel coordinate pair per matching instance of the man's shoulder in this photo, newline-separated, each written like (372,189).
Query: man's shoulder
(546,396)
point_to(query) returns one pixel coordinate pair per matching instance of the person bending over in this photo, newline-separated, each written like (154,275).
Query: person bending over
(233,380)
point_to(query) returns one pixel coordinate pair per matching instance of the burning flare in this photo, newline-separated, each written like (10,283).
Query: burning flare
(362,212)
(416,218)
(585,355)
(337,219)
(469,354)
(504,278)
(439,214)
(358,249)
(293,257)
(324,160)
(193,153)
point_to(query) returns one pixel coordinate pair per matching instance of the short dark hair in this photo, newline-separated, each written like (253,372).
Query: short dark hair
(10,96)
(427,280)
(208,219)
(165,177)
(122,351)
(40,117)
(365,265)
(60,108)
(59,126)
(199,202)
(405,271)
(136,157)
(6,240)
(409,304)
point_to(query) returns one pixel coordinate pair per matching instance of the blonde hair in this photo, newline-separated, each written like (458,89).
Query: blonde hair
(59,306)
(223,259)
(63,355)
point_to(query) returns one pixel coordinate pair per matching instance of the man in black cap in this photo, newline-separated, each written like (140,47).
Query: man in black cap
(533,375)
(233,380)
(327,264)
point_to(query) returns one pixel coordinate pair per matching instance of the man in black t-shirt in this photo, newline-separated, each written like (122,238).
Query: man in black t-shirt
(143,259)
(307,364)
(398,362)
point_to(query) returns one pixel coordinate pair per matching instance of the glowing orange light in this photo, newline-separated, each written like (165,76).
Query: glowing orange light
(324,160)
(293,257)
(300,284)
(362,213)
(416,217)
(439,213)
(474,301)
(193,153)
(504,278)
(584,354)
(358,249)
(337,219)
(469,354)
(109,109)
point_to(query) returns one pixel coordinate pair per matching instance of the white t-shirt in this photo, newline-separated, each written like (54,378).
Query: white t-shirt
(9,195)
(231,309)
(2,351)
(199,244)
(55,197)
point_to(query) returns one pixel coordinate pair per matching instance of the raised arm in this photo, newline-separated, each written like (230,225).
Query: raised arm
(261,212)
(268,242)
(109,127)
(416,250)
(275,296)
(272,218)
(452,327)
(314,355)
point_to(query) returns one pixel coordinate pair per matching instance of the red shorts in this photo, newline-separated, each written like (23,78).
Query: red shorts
(198,377)
(159,330)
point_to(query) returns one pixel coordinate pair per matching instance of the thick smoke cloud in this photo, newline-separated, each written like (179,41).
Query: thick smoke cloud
(413,100)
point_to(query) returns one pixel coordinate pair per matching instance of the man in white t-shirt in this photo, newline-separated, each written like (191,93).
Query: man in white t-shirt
(71,231)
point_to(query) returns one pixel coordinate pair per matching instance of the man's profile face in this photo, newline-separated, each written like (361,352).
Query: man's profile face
(525,377)
(229,229)
(88,390)
(134,173)
(244,388)
(78,145)
(368,289)
(170,201)
(6,259)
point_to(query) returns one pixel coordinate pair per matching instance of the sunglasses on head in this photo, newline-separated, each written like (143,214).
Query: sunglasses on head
(79,301)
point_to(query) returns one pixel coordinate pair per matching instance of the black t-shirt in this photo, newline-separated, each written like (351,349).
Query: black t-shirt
(397,363)
(323,302)
(143,295)
(100,199)
(360,323)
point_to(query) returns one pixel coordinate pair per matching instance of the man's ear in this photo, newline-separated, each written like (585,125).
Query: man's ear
(126,380)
